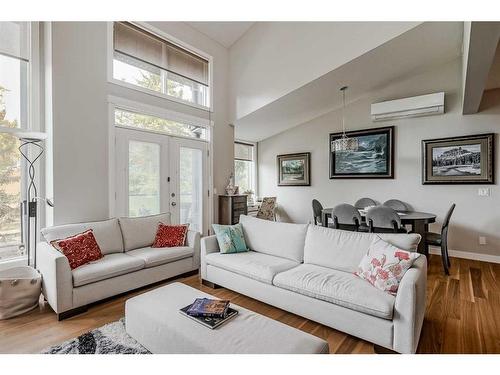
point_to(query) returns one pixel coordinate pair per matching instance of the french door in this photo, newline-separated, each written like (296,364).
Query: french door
(159,173)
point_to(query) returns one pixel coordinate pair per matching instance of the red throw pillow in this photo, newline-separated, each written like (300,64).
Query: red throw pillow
(80,249)
(170,235)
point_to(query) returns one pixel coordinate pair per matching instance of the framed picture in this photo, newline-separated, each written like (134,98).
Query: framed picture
(373,159)
(294,169)
(458,160)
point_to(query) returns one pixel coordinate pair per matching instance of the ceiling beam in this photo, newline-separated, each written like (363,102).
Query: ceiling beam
(480,44)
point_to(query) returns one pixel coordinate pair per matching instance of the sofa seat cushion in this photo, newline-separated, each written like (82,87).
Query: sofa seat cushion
(109,266)
(338,287)
(157,256)
(257,266)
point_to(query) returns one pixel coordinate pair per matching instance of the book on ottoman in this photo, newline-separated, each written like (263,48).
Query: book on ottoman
(206,307)
(210,321)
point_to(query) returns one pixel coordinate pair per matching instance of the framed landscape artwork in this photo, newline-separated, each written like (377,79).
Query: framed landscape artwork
(294,169)
(373,159)
(458,160)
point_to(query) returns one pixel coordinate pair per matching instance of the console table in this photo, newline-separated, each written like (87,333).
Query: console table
(231,207)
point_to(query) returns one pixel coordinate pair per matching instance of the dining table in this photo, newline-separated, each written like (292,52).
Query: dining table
(419,222)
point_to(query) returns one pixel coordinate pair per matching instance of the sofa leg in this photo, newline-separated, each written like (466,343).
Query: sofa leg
(210,284)
(70,313)
(381,350)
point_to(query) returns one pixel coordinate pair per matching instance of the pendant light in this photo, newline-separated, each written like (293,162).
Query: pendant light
(344,143)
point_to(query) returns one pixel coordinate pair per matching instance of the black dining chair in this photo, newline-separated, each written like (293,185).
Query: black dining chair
(347,217)
(441,240)
(382,219)
(317,212)
(397,205)
(362,203)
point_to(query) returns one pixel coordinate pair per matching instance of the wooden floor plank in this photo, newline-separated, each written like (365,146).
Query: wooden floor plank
(462,315)
(477,282)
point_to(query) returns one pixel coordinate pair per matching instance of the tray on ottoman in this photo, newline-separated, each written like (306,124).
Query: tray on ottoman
(153,319)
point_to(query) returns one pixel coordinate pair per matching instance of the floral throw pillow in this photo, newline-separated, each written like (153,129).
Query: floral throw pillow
(230,238)
(170,235)
(80,249)
(385,265)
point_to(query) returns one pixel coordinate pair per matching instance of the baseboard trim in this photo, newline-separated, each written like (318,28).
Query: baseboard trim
(467,255)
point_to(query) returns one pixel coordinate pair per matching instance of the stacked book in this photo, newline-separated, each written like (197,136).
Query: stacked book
(209,312)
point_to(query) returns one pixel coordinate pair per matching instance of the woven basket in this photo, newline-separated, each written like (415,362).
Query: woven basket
(20,289)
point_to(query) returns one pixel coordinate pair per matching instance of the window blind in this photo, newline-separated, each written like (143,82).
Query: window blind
(131,41)
(14,39)
(243,151)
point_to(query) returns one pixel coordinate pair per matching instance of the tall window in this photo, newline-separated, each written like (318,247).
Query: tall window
(14,88)
(143,59)
(244,167)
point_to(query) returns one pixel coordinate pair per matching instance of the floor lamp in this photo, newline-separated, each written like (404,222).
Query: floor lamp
(34,141)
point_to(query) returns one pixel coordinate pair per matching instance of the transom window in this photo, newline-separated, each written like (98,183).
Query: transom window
(130,119)
(143,59)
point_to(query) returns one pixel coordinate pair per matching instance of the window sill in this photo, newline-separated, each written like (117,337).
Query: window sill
(158,94)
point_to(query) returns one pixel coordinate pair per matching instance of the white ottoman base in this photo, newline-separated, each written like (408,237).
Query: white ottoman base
(154,320)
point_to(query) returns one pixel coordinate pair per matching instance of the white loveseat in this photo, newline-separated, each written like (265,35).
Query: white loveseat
(129,262)
(308,270)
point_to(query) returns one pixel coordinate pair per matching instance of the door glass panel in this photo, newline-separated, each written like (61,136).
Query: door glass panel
(190,187)
(143,178)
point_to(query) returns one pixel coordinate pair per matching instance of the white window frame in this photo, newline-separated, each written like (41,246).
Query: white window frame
(33,124)
(161,34)
(115,102)
(255,161)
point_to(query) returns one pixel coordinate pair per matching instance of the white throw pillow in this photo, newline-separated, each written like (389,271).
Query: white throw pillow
(385,265)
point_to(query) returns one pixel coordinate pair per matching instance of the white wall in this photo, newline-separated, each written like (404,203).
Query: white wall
(474,216)
(80,115)
(275,58)
(80,121)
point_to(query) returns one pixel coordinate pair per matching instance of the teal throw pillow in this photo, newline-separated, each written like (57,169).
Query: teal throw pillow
(230,238)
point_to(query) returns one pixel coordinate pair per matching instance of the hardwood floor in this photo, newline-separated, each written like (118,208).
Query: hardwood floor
(462,316)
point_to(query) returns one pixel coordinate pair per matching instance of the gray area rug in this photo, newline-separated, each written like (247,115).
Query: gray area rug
(108,339)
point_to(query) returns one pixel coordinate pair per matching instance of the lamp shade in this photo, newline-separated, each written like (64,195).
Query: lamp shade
(30,136)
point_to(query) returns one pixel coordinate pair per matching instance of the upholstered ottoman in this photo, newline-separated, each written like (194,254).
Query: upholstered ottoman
(154,320)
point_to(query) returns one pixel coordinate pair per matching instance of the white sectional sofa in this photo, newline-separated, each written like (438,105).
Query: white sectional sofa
(308,270)
(129,262)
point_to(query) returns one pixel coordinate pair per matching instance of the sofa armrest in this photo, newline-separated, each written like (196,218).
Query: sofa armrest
(409,308)
(208,245)
(57,279)
(193,240)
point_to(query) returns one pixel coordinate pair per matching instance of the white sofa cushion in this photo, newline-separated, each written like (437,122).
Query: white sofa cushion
(343,250)
(257,266)
(107,234)
(283,240)
(341,288)
(153,257)
(140,232)
(111,265)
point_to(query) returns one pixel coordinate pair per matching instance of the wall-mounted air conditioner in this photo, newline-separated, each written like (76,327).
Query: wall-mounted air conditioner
(423,105)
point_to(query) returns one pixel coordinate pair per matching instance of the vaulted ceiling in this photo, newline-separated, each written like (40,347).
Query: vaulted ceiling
(225,33)
(419,49)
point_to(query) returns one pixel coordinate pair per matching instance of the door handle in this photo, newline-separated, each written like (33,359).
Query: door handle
(173,204)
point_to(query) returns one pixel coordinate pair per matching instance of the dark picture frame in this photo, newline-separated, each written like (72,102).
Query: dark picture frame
(294,169)
(466,159)
(381,143)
